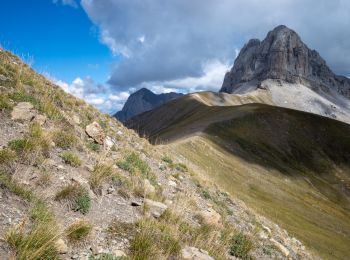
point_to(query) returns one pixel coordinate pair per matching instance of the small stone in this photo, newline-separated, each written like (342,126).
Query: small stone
(61,246)
(95,131)
(108,143)
(22,111)
(110,190)
(76,119)
(119,253)
(193,253)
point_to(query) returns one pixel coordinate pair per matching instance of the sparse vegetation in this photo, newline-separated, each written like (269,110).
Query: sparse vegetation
(93,146)
(100,173)
(37,243)
(134,165)
(64,139)
(240,246)
(7,156)
(78,231)
(4,102)
(14,187)
(76,196)
(71,159)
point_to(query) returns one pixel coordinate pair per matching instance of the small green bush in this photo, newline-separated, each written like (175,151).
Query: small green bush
(205,194)
(77,197)
(181,167)
(133,164)
(78,231)
(240,246)
(71,159)
(21,145)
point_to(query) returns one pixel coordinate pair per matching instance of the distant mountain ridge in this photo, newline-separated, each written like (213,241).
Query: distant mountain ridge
(284,56)
(143,100)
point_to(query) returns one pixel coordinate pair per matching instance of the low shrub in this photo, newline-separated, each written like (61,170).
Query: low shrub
(76,196)
(133,164)
(240,246)
(37,243)
(71,159)
(78,231)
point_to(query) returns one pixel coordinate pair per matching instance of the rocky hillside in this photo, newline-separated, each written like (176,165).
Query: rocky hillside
(295,76)
(288,165)
(141,101)
(76,184)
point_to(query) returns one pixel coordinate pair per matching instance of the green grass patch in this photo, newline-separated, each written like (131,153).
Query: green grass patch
(134,165)
(14,187)
(78,231)
(71,159)
(240,246)
(7,156)
(76,196)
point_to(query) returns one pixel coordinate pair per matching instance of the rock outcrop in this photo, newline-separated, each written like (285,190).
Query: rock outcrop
(282,55)
(141,101)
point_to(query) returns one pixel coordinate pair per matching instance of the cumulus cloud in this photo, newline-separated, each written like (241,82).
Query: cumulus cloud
(98,95)
(170,42)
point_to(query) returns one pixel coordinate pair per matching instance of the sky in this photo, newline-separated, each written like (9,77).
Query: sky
(103,50)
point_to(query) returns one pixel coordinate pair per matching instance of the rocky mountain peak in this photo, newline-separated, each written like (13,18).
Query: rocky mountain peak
(283,55)
(141,101)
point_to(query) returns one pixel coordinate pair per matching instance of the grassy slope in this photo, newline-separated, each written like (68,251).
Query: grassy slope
(289,165)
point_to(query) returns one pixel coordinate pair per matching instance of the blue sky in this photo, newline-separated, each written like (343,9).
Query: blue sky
(60,39)
(103,50)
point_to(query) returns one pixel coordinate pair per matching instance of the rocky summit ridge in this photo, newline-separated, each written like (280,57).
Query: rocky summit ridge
(282,55)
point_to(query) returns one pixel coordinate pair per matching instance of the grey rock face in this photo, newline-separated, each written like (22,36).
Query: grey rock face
(282,55)
(141,101)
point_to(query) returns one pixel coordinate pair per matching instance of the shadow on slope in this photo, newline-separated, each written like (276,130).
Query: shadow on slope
(291,166)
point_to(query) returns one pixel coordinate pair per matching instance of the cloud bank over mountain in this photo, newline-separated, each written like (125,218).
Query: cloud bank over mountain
(163,43)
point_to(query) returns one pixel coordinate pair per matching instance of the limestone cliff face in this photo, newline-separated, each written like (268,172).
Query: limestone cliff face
(282,55)
(141,101)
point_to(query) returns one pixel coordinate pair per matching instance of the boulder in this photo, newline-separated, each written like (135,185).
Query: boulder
(22,111)
(95,131)
(193,253)
(156,208)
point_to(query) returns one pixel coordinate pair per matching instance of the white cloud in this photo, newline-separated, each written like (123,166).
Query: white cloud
(100,96)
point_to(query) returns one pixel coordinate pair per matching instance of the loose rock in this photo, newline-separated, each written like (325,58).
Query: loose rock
(22,111)
(95,131)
